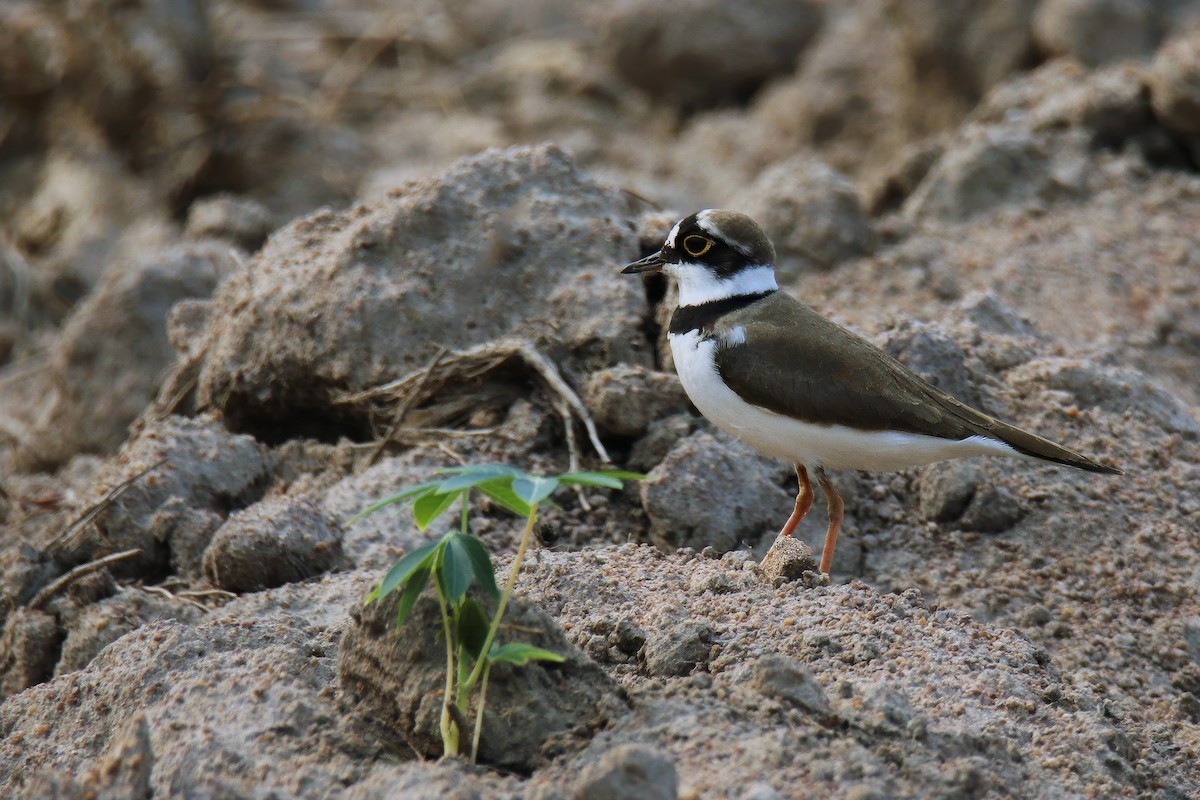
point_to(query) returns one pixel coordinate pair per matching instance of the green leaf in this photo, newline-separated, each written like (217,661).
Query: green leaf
(412,590)
(481,564)
(467,477)
(492,470)
(455,572)
(521,654)
(407,494)
(534,488)
(608,478)
(431,506)
(404,568)
(500,490)
(473,624)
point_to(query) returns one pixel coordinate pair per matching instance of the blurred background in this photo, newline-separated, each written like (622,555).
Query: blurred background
(129,125)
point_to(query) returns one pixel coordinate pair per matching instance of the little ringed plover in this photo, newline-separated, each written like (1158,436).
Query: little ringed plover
(774,373)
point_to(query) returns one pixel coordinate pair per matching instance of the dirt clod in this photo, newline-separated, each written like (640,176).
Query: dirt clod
(629,770)
(274,542)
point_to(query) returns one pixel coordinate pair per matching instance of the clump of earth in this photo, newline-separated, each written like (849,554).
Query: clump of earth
(265,263)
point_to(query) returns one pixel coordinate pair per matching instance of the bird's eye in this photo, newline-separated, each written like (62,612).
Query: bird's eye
(697,245)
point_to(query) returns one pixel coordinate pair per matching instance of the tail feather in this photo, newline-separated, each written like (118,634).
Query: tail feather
(1031,444)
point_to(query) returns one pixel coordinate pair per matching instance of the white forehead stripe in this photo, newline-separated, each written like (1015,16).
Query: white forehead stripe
(674,232)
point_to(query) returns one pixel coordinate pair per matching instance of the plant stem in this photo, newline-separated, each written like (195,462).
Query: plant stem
(449,730)
(483,683)
(513,571)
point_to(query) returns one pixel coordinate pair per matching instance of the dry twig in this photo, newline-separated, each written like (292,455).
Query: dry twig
(53,588)
(89,514)
(422,385)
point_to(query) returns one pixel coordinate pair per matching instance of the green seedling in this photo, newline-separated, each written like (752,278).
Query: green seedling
(459,560)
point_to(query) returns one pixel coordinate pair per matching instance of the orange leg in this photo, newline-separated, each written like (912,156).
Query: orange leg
(804,501)
(836,513)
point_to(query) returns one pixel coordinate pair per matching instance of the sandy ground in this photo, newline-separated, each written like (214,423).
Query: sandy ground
(225,225)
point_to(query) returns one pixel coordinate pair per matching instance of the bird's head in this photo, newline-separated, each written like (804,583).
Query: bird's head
(713,255)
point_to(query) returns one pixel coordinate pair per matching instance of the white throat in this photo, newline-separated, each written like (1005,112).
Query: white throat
(698,285)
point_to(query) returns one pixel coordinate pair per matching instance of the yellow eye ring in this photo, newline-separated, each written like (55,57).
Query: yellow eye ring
(696,245)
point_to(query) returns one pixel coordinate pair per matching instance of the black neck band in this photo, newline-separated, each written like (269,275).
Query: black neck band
(701,317)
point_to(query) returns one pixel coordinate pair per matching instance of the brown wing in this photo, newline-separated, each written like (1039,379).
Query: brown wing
(796,362)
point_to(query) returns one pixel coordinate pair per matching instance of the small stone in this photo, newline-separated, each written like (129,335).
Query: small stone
(718,583)
(677,650)
(981,169)
(32,640)
(1096,32)
(1175,85)
(761,791)
(1188,707)
(624,400)
(715,491)
(946,489)
(788,559)
(241,220)
(660,49)
(630,637)
(994,509)
(788,680)
(629,771)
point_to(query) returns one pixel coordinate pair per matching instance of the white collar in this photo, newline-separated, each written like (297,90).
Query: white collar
(698,285)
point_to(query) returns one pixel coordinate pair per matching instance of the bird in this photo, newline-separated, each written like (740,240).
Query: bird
(769,370)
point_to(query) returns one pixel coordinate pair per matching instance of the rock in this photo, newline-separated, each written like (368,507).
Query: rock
(677,52)
(761,791)
(788,559)
(1113,389)
(712,491)
(885,707)
(122,774)
(397,677)
(844,106)
(965,46)
(114,349)
(625,400)
(661,435)
(102,623)
(979,171)
(240,220)
(315,314)
(1097,31)
(276,541)
(30,641)
(256,670)
(678,649)
(1175,85)
(192,471)
(83,216)
(888,187)
(628,771)
(993,509)
(930,352)
(1108,109)
(987,312)
(630,637)
(788,680)
(946,489)
(811,213)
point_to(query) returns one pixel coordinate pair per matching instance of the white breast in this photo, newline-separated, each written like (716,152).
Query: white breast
(830,446)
